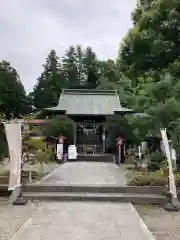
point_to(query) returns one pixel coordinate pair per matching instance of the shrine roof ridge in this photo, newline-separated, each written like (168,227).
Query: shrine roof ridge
(89,102)
(89,92)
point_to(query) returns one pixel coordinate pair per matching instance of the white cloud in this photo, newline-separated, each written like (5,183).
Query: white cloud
(31,28)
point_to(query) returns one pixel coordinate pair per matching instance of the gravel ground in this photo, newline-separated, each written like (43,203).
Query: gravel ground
(13,217)
(164,225)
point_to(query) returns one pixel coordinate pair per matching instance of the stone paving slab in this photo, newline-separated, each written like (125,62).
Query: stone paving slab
(86,173)
(80,221)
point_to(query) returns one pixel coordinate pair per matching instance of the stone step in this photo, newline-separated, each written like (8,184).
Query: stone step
(95,158)
(137,199)
(94,189)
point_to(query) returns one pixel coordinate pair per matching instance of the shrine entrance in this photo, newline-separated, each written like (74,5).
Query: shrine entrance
(89,137)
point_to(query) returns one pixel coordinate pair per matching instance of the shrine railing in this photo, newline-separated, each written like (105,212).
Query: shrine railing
(89,148)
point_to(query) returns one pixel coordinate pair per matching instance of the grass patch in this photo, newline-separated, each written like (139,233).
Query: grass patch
(148,180)
(141,177)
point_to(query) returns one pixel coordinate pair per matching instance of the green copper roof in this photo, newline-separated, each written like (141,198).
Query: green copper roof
(89,102)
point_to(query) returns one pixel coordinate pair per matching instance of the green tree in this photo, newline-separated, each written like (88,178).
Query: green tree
(13,99)
(119,126)
(104,84)
(153,42)
(72,66)
(149,57)
(60,125)
(91,70)
(80,67)
(49,84)
(109,70)
(3,143)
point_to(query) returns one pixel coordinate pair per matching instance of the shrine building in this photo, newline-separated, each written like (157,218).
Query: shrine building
(89,110)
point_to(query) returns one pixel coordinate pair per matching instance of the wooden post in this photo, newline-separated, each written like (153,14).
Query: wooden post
(75,133)
(30,177)
(119,154)
(103,140)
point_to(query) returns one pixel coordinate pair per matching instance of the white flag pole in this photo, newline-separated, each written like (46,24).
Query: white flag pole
(172,185)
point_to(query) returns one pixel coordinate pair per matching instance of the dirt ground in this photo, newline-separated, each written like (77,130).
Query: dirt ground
(13,217)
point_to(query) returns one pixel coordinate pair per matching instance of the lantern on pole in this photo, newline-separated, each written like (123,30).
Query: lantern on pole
(61,139)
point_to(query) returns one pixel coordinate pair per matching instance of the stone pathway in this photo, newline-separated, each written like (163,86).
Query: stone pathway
(87,173)
(85,220)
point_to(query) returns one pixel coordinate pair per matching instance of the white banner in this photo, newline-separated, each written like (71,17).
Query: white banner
(13,135)
(172,185)
(59,151)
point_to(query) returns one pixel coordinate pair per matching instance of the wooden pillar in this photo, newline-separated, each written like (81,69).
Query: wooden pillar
(75,133)
(103,139)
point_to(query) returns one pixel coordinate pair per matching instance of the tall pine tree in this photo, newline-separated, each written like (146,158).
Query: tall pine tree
(91,69)
(70,68)
(49,84)
(13,99)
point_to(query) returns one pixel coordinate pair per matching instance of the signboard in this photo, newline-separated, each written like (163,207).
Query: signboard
(72,152)
(13,135)
(144,147)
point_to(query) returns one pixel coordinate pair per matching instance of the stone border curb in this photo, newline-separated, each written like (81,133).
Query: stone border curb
(21,230)
(143,225)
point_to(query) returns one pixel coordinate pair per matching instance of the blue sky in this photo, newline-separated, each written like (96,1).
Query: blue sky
(29,29)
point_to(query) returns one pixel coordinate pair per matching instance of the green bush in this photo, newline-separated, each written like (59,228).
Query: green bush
(178,180)
(60,125)
(42,157)
(51,156)
(35,144)
(155,160)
